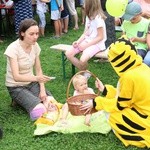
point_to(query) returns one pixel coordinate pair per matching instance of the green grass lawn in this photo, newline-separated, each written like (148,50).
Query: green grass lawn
(18,129)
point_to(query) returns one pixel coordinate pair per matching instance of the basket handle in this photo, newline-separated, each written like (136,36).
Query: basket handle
(69,84)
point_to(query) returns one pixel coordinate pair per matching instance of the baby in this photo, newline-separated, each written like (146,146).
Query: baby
(52,114)
(80,87)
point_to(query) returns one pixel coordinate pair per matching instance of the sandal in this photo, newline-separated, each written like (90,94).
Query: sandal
(76,28)
(55,37)
(65,32)
(82,23)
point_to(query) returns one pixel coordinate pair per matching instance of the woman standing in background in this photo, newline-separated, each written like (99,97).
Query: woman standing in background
(23,10)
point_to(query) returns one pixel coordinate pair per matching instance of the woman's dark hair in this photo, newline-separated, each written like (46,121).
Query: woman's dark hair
(26,24)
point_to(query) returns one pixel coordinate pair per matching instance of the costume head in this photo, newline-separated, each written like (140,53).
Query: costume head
(123,56)
(132,9)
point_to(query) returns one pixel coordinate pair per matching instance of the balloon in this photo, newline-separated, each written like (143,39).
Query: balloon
(116,8)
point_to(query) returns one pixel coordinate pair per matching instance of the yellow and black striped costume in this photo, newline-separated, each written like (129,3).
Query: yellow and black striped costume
(129,103)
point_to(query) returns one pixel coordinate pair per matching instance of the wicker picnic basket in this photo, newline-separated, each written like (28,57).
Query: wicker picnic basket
(75,102)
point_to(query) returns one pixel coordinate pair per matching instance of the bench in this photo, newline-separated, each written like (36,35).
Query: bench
(63,48)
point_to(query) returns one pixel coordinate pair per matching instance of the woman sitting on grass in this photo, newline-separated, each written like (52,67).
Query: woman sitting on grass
(26,88)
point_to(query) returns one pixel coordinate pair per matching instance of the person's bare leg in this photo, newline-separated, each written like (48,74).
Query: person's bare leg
(87,119)
(71,57)
(62,24)
(60,27)
(77,63)
(65,21)
(83,65)
(42,31)
(84,61)
(76,21)
(83,15)
(65,111)
(80,64)
(56,26)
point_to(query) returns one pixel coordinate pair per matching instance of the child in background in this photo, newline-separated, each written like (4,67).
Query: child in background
(93,38)
(41,10)
(135,27)
(56,8)
(81,87)
(64,18)
(73,13)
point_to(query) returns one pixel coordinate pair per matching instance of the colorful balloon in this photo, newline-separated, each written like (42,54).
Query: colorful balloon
(116,8)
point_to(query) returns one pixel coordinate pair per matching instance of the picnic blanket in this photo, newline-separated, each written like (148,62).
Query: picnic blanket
(75,124)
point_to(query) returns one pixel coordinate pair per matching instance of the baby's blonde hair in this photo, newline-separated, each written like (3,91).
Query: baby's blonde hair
(77,79)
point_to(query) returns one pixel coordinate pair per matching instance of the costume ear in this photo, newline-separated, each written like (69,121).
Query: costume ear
(123,55)
(127,41)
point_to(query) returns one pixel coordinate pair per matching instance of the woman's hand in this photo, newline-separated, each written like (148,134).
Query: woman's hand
(99,85)
(42,78)
(87,106)
(42,95)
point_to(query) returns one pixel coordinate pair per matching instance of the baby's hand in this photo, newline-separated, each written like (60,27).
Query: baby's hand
(99,85)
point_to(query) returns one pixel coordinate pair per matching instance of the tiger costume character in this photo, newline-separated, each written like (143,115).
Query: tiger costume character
(128,105)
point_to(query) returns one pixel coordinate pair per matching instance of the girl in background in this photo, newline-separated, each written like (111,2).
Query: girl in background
(93,38)
(64,18)
(41,10)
